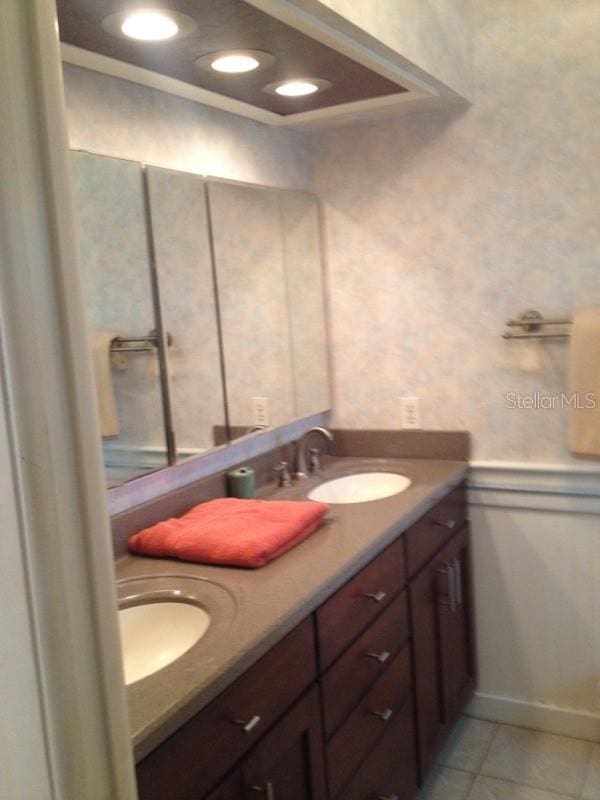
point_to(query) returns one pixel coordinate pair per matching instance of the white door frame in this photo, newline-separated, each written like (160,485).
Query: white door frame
(55,527)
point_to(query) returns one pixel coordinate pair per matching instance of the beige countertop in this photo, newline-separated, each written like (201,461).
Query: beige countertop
(254,609)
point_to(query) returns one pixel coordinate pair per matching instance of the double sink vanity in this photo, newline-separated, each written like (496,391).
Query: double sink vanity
(333,672)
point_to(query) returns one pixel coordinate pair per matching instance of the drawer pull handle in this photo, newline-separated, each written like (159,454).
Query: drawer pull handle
(458,581)
(248,725)
(385,715)
(268,788)
(381,657)
(378,597)
(449,572)
(449,524)
(387,797)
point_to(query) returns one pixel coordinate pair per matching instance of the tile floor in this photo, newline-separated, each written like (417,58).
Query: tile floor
(485,761)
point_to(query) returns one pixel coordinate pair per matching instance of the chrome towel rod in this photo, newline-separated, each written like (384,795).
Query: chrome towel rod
(531,324)
(136,344)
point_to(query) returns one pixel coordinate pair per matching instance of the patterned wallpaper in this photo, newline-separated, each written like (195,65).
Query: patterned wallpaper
(443,225)
(115,117)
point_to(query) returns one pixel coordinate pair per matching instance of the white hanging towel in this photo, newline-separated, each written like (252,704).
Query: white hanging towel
(107,407)
(584,384)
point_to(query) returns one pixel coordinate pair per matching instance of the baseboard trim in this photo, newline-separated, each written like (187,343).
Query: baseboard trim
(550,719)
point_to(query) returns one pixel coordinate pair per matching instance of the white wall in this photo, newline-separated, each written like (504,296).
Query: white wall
(537,561)
(25,768)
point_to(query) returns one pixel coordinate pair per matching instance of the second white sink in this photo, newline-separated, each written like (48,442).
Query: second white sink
(155,634)
(360,488)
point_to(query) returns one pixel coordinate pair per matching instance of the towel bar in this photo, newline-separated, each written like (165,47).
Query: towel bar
(137,344)
(531,323)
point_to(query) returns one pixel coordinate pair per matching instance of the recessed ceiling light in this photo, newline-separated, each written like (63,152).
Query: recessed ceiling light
(297,88)
(300,87)
(149,24)
(235,61)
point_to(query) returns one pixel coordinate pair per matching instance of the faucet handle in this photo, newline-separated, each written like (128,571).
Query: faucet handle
(283,472)
(314,459)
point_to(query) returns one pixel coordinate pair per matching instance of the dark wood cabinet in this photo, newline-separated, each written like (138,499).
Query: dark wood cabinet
(443,660)
(232,788)
(288,763)
(357,700)
(391,769)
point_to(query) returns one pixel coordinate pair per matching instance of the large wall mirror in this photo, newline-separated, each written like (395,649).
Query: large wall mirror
(206,309)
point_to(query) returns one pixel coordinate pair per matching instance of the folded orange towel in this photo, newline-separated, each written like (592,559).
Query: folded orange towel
(243,533)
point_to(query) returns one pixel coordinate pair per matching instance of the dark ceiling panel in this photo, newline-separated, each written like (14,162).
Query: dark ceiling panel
(228,25)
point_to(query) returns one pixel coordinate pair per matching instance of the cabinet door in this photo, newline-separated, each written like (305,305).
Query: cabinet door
(426,659)
(288,763)
(454,609)
(440,601)
(230,789)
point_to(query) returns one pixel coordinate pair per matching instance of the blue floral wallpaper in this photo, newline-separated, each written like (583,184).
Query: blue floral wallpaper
(443,225)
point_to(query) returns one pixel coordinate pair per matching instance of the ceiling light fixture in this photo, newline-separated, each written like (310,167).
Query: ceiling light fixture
(235,62)
(149,24)
(299,87)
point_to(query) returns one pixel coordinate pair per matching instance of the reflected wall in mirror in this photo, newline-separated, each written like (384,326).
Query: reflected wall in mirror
(251,279)
(231,275)
(115,267)
(188,307)
(306,298)
(269,269)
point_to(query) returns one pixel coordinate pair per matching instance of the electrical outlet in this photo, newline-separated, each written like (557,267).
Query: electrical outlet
(411,412)
(260,411)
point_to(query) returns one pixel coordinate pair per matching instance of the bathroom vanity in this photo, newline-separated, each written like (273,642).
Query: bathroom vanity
(351,657)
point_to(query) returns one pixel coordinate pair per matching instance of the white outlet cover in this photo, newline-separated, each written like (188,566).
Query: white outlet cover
(410,412)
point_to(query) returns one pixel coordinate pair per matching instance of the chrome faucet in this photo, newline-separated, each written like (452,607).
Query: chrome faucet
(301,470)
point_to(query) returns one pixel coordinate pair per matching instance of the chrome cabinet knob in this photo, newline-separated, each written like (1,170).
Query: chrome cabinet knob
(384,715)
(248,725)
(377,597)
(381,657)
(267,789)
(449,524)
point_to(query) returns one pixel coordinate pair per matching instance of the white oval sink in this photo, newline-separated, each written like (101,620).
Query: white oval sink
(155,634)
(360,488)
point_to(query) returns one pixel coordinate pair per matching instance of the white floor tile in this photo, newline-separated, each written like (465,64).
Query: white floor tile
(494,789)
(446,784)
(468,744)
(542,760)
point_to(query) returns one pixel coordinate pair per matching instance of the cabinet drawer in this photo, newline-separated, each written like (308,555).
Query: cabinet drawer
(390,770)
(359,602)
(368,721)
(429,534)
(348,680)
(206,747)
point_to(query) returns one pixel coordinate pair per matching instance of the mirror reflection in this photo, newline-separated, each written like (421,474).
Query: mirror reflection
(115,267)
(206,309)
